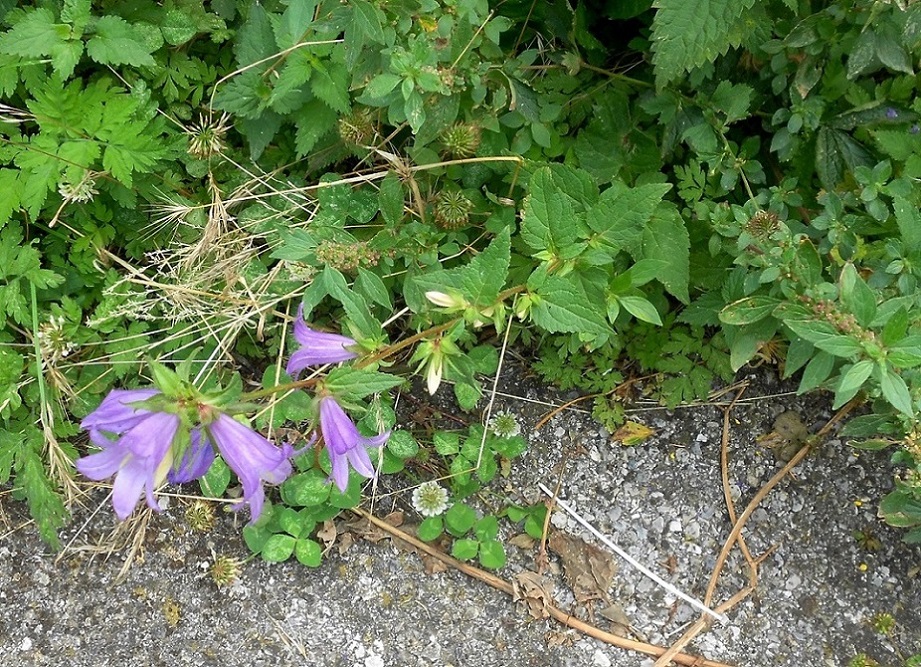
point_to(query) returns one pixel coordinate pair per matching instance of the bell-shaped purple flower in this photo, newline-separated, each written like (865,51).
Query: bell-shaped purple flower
(195,461)
(317,347)
(116,414)
(253,458)
(345,444)
(139,459)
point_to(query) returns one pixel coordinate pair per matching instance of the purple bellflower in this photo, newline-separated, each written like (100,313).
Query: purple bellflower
(253,458)
(345,444)
(317,347)
(195,461)
(141,457)
(144,454)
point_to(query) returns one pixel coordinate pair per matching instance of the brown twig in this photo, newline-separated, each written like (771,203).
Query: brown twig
(563,617)
(735,535)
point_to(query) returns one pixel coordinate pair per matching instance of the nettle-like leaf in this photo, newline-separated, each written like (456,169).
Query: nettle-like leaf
(480,280)
(573,303)
(689,33)
(666,238)
(117,42)
(622,213)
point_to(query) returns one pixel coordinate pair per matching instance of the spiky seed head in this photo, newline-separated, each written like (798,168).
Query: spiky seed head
(762,224)
(452,209)
(357,129)
(82,191)
(225,570)
(206,138)
(461,139)
(200,516)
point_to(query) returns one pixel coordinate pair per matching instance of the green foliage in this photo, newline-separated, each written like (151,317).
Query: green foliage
(421,181)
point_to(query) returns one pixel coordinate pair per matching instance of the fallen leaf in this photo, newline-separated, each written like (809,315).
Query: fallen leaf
(327,534)
(620,622)
(589,570)
(523,541)
(433,565)
(632,433)
(535,591)
(345,543)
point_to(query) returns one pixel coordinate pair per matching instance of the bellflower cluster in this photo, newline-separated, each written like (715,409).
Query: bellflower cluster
(143,453)
(344,443)
(147,437)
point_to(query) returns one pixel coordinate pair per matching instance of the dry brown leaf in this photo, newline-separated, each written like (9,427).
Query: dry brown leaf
(556,638)
(327,534)
(535,591)
(433,565)
(589,570)
(620,622)
(345,542)
(366,531)
(523,541)
(395,519)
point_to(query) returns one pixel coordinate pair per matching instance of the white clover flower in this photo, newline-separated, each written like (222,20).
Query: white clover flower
(504,425)
(430,499)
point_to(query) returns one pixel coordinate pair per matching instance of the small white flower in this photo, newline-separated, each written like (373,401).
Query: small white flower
(430,499)
(504,425)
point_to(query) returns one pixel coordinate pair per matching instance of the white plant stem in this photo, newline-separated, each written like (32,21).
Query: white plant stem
(639,566)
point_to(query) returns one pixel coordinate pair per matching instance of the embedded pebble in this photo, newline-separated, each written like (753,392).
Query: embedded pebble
(599,659)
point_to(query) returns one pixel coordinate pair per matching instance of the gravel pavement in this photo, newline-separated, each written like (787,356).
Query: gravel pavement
(833,568)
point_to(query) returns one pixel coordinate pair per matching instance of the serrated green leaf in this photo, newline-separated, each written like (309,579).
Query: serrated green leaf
(689,33)
(481,279)
(314,121)
(367,18)
(255,39)
(563,305)
(621,214)
(330,85)
(35,34)
(117,42)
(549,221)
(666,239)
